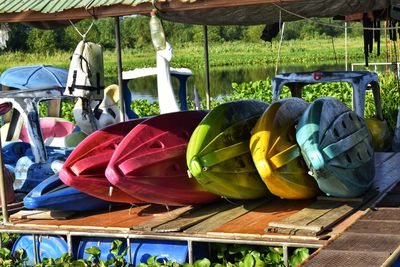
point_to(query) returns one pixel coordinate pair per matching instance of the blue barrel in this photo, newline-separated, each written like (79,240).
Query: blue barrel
(46,246)
(141,250)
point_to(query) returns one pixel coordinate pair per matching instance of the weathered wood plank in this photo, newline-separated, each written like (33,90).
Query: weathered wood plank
(381,157)
(164,218)
(42,214)
(334,216)
(315,219)
(225,216)
(191,218)
(257,220)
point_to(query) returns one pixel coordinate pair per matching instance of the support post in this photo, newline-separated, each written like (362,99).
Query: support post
(285,255)
(345,46)
(190,251)
(119,68)
(207,67)
(3,189)
(69,243)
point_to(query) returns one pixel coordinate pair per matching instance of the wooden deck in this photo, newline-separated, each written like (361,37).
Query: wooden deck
(253,222)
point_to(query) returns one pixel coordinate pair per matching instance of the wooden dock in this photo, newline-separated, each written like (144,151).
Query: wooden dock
(271,221)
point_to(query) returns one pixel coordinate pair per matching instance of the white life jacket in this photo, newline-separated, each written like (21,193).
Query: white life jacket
(86,72)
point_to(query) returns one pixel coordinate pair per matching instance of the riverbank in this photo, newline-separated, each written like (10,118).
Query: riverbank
(222,55)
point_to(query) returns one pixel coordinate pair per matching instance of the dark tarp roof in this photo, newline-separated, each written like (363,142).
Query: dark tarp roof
(210,12)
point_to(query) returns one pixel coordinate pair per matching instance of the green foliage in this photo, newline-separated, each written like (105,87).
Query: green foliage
(298,256)
(235,255)
(9,260)
(67,110)
(262,90)
(143,108)
(136,33)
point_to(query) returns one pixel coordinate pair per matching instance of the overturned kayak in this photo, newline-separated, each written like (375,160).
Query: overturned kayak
(276,154)
(218,153)
(85,167)
(337,147)
(53,194)
(150,162)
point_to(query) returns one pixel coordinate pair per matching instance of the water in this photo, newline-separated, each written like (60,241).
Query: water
(220,80)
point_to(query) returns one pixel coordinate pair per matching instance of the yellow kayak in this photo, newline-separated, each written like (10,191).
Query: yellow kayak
(276,154)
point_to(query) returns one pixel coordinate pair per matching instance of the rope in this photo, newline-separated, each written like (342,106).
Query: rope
(332,25)
(77,30)
(280,43)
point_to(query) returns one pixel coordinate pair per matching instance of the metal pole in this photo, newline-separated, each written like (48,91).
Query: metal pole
(3,189)
(69,243)
(279,49)
(285,255)
(207,67)
(345,45)
(190,251)
(119,65)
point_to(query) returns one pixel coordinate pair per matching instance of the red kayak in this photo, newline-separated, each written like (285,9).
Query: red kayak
(85,167)
(150,163)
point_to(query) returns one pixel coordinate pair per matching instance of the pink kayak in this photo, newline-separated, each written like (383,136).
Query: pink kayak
(85,167)
(150,163)
(51,127)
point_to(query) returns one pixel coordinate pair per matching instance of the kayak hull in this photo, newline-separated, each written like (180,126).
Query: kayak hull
(218,154)
(337,147)
(85,167)
(276,154)
(150,161)
(54,195)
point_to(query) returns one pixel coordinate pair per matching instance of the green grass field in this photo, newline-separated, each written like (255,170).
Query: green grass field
(228,54)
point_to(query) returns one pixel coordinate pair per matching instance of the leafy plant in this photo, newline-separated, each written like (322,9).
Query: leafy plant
(248,255)
(298,256)
(9,260)
(143,108)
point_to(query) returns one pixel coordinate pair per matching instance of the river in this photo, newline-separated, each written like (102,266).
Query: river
(220,80)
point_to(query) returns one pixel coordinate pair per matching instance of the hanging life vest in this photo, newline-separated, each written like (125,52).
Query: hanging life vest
(86,72)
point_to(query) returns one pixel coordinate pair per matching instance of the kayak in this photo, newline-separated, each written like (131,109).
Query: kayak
(218,154)
(337,147)
(276,154)
(52,194)
(85,167)
(150,161)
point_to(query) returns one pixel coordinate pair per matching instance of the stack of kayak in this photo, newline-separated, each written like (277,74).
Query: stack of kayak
(139,161)
(243,149)
(292,149)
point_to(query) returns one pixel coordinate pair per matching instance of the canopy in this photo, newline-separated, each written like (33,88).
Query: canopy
(206,12)
(34,77)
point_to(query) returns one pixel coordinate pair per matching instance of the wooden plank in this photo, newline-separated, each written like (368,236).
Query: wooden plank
(387,173)
(257,220)
(381,157)
(42,215)
(54,108)
(119,217)
(316,218)
(303,218)
(191,218)
(361,199)
(225,216)
(159,220)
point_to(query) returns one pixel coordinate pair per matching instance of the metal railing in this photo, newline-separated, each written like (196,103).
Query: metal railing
(394,66)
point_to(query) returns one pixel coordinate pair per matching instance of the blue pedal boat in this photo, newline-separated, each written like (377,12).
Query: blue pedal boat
(53,194)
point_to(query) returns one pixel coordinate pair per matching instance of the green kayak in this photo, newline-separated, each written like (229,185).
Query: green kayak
(218,153)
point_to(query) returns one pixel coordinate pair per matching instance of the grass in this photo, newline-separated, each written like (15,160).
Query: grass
(221,55)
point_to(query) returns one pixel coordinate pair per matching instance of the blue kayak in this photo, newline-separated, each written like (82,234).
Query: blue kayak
(53,194)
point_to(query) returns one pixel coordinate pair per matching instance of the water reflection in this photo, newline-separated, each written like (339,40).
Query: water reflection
(220,80)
